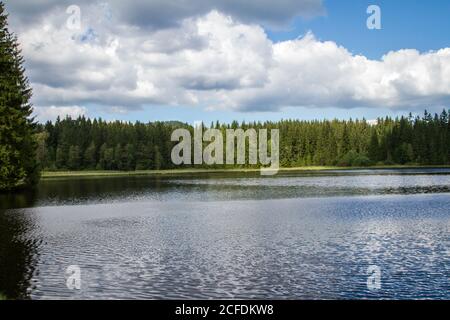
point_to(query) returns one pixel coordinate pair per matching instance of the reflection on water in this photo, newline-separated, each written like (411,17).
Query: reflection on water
(233,186)
(18,253)
(290,236)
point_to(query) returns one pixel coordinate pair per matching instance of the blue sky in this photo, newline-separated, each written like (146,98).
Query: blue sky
(422,25)
(158,60)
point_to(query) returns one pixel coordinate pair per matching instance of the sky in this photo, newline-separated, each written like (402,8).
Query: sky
(234,60)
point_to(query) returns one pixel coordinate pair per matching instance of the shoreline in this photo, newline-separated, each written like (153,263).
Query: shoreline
(176,172)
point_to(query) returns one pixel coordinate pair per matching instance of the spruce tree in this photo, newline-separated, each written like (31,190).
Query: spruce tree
(18,164)
(374,147)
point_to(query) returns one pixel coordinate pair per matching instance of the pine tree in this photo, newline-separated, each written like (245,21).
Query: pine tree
(345,141)
(374,147)
(158,159)
(74,160)
(18,164)
(89,157)
(130,152)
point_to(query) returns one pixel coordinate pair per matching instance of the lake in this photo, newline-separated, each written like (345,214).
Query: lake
(316,235)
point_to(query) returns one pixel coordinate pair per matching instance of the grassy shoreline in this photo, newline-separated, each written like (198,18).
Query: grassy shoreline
(175,172)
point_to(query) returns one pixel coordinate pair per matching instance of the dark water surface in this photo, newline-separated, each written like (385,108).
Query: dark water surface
(309,235)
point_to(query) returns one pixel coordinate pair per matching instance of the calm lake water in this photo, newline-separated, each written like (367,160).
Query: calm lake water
(297,236)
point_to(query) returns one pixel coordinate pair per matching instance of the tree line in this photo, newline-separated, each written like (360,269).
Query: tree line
(81,144)
(85,144)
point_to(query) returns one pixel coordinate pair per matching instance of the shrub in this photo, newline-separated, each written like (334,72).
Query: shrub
(354,159)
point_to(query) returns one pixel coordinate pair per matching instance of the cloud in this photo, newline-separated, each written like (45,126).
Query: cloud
(217,60)
(163,13)
(132,68)
(160,14)
(308,72)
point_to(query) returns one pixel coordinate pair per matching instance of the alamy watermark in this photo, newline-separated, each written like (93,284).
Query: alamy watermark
(373,278)
(235,145)
(73,22)
(73,277)
(374,20)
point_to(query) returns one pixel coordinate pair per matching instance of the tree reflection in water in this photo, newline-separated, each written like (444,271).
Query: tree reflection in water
(18,251)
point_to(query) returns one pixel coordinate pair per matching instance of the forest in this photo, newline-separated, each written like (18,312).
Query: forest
(85,144)
(27,147)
